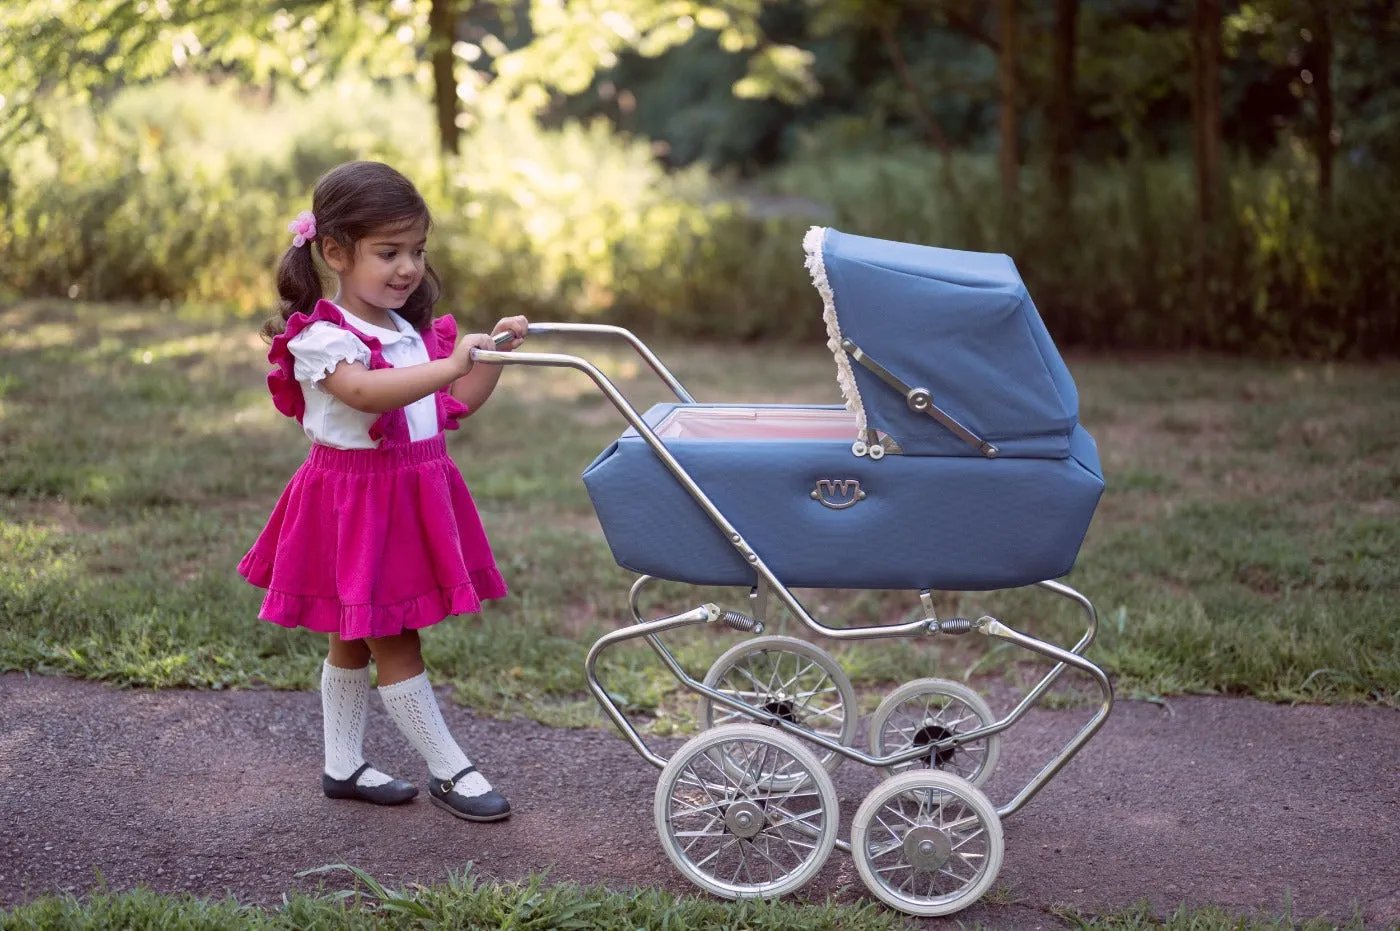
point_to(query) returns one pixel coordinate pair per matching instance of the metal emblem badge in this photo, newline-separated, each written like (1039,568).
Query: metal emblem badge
(837,494)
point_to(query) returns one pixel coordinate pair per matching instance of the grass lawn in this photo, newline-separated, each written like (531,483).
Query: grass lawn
(1248,542)
(537,904)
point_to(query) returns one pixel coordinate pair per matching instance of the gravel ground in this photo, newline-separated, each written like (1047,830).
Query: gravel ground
(1219,801)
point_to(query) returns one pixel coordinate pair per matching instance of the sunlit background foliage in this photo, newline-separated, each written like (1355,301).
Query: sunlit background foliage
(655,162)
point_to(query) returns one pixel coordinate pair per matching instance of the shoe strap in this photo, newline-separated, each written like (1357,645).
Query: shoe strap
(449,784)
(355,776)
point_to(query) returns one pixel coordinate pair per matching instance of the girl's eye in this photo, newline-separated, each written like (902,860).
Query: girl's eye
(386,255)
(421,252)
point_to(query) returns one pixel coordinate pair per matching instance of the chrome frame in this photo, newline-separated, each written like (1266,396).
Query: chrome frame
(768,584)
(919,400)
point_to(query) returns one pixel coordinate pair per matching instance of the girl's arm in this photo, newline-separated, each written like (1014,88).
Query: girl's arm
(374,392)
(474,388)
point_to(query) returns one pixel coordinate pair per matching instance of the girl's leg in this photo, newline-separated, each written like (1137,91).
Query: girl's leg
(344,707)
(399,657)
(348,654)
(409,698)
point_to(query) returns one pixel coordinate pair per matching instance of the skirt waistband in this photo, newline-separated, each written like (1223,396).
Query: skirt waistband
(383,459)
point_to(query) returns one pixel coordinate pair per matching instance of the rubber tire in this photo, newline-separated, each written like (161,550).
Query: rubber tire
(830,760)
(951,689)
(818,779)
(928,778)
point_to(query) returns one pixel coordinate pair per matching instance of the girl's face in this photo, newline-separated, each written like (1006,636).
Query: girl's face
(388,265)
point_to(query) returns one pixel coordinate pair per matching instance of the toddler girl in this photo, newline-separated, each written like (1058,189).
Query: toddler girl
(376,535)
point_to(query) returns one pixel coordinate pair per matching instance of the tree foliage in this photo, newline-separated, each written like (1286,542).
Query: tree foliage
(537,51)
(90,47)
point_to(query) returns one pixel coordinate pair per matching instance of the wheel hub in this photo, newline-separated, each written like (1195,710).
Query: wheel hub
(927,848)
(780,706)
(931,734)
(744,819)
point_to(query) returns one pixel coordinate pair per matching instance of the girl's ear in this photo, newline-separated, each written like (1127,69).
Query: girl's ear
(337,256)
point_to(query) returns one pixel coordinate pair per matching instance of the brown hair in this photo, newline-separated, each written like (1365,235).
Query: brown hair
(350,202)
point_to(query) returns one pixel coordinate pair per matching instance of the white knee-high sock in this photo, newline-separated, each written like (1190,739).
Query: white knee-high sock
(344,707)
(414,708)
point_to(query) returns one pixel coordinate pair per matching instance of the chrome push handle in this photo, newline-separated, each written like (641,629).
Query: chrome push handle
(500,339)
(602,329)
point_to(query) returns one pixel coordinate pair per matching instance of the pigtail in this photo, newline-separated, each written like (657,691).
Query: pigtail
(298,288)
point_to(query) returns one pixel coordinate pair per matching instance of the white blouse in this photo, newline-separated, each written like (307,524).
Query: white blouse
(320,348)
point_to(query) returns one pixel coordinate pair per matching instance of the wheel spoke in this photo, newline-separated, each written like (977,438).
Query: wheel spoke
(762,690)
(784,685)
(771,862)
(970,837)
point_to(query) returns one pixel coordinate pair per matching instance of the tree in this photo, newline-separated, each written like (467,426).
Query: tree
(1322,90)
(1062,107)
(91,47)
(1009,160)
(1205,105)
(1208,144)
(572,42)
(442,33)
(1299,38)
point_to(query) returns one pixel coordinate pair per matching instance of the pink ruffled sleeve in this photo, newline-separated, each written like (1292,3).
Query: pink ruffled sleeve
(282,380)
(441,340)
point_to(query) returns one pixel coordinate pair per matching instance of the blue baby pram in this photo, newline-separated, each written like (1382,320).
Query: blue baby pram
(957,463)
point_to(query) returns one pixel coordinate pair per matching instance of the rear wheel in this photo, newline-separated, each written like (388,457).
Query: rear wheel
(924,713)
(790,679)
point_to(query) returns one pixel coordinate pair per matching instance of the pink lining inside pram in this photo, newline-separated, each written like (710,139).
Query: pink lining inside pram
(758,423)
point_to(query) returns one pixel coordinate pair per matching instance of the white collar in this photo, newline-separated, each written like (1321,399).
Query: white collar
(387,337)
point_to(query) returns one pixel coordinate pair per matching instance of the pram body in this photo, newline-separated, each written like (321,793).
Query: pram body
(953,523)
(935,515)
(956,463)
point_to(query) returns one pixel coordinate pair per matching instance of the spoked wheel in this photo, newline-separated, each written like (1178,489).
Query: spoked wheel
(927,843)
(790,679)
(746,811)
(926,711)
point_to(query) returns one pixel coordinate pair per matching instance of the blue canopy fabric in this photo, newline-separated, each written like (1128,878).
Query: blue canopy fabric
(960,324)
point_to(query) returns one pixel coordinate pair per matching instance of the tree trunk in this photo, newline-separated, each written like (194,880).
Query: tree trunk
(1322,87)
(1008,28)
(1062,110)
(932,130)
(1205,109)
(442,29)
(1205,105)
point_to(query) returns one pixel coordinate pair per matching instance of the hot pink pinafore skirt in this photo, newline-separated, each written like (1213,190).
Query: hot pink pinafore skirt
(372,542)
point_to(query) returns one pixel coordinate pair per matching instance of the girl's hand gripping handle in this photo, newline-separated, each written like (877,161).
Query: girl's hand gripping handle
(497,341)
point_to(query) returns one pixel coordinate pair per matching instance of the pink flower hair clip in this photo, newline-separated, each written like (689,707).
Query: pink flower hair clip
(303,229)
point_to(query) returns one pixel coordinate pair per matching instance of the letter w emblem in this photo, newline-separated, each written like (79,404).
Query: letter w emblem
(837,494)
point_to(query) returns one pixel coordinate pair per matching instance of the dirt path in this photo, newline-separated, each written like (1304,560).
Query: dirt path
(1226,802)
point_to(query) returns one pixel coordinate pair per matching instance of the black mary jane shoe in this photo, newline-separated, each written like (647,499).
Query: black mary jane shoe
(394,792)
(489,806)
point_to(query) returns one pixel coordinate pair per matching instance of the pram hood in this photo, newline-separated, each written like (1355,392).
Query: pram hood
(960,324)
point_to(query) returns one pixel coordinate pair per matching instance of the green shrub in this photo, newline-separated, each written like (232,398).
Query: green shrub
(182,191)
(1283,276)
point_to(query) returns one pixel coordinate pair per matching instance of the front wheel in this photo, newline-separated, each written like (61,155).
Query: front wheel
(745,811)
(927,843)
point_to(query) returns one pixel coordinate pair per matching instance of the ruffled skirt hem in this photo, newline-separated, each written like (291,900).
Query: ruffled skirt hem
(354,621)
